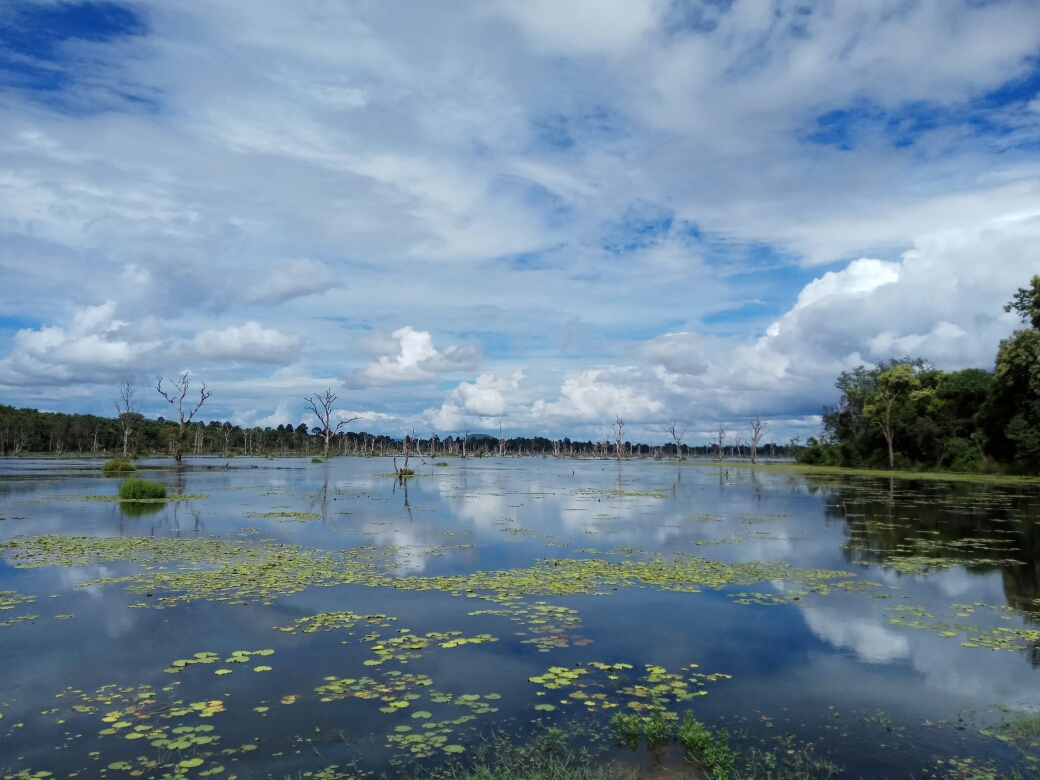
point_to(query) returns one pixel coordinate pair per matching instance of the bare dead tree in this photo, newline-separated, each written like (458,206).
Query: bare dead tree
(227,429)
(719,443)
(59,439)
(128,409)
(677,435)
(176,399)
(323,407)
(759,428)
(617,429)
(409,442)
(501,441)
(556,448)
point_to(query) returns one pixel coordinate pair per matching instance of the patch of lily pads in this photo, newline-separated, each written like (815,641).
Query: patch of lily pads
(237,656)
(235,571)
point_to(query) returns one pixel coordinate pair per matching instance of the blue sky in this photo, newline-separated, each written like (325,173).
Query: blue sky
(542,213)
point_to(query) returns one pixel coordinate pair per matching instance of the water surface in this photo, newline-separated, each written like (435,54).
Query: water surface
(889,625)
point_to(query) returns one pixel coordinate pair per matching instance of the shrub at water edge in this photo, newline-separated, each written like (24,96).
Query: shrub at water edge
(136,489)
(117,466)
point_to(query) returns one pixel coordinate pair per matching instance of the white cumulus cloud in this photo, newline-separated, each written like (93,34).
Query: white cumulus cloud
(95,346)
(413,358)
(248,343)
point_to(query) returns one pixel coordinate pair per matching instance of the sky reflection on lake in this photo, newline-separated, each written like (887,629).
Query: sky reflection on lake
(877,677)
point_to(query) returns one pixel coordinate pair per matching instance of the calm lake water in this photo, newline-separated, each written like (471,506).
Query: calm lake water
(888,626)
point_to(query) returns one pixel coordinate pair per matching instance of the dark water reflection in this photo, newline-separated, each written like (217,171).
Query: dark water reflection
(877,697)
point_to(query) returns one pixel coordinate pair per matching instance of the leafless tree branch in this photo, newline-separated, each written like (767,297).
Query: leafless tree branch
(678,436)
(617,429)
(323,407)
(759,427)
(176,399)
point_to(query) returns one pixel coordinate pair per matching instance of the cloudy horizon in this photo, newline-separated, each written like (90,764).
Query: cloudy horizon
(543,214)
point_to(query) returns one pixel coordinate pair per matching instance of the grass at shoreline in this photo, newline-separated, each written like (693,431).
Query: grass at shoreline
(941,476)
(841,471)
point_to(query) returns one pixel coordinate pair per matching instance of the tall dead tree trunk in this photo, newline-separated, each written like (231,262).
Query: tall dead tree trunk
(128,407)
(617,429)
(678,436)
(720,444)
(758,430)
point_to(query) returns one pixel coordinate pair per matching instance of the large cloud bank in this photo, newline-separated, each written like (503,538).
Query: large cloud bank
(541,214)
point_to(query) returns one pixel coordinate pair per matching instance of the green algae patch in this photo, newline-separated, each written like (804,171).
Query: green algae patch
(236,571)
(402,648)
(1008,638)
(9,599)
(548,626)
(302,516)
(212,569)
(600,686)
(107,498)
(14,621)
(433,738)
(396,687)
(332,621)
(684,573)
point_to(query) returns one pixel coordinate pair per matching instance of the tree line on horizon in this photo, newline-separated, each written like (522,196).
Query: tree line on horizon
(26,431)
(907,414)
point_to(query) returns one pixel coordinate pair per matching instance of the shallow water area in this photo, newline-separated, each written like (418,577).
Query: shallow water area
(282,617)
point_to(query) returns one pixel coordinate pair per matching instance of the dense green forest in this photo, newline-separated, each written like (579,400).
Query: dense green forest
(907,414)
